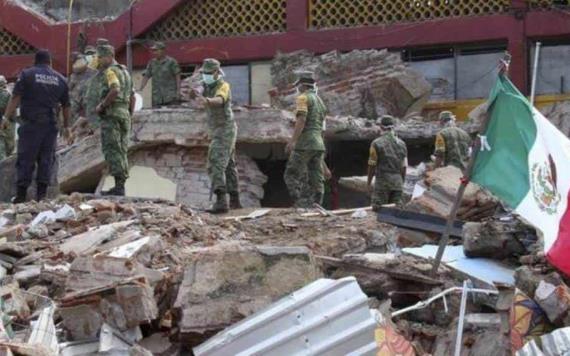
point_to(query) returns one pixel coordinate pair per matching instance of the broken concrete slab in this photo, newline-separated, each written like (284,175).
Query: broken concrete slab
(554,301)
(367,83)
(443,184)
(231,281)
(88,241)
(497,238)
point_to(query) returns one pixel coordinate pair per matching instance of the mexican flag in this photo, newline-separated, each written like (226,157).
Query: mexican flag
(525,161)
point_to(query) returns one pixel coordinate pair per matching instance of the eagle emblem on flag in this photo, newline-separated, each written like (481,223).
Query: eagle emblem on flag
(543,181)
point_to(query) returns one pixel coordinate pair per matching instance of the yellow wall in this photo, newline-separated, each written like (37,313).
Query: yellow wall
(462,108)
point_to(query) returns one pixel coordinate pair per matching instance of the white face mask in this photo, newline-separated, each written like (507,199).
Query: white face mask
(208,78)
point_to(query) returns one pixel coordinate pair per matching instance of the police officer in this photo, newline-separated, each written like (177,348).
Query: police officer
(222,169)
(451,143)
(39,92)
(388,162)
(114,109)
(165,74)
(7,135)
(304,173)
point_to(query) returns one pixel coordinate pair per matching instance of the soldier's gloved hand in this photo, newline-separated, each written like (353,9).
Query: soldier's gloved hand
(99,109)
(4,124)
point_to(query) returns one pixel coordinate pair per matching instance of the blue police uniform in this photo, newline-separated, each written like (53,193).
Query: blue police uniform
(42,90)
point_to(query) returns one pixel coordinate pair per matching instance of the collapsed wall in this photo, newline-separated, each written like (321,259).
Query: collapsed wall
(361,83)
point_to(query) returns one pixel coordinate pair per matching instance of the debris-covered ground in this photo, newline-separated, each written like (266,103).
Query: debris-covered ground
(82,274)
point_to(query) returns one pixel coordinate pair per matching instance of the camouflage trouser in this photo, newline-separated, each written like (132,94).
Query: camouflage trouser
(387,190)
(304,178)
(222,168)
(7,141)
(115,131)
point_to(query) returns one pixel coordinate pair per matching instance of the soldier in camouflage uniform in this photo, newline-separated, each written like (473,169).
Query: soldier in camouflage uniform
(304,172)
(7,136)
(451,143)
(388,162)
(223,133)
(77,86)
(165,74)
(115,109)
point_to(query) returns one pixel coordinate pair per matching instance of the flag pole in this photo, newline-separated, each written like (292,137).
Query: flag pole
(465,180)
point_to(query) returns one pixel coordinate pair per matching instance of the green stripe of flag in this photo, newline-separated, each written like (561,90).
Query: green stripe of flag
(511,134)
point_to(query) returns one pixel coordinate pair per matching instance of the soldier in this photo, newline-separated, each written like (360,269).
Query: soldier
(388,161)
(39,92)
(114,109)
(7,135)
(304,172)
(165,74)
(223,133)
(451,143)
(77,85)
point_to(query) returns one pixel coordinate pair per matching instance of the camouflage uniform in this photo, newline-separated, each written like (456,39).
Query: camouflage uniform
(164,87)
(304,173)
(78,83)
(7,137)
(223,134)
(116,120)
(388,155)
(452,144)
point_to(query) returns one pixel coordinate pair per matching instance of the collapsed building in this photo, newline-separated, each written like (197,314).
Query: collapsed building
(169,145)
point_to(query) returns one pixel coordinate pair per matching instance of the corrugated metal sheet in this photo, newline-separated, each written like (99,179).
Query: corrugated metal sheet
(327,317)
(557,343)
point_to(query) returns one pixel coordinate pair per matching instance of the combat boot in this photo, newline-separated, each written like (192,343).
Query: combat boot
(20,195)
(118,190)
(221,204)
(235,202)
(41,192)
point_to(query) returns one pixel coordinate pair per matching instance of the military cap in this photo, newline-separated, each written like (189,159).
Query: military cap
(387,121)
(102,41)
(446,116)
(105,51)
(158,46)
(305,77)
(3,81)
(210,65)
(90,50)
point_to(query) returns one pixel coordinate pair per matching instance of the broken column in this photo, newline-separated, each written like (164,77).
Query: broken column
(228,282)
(360,83)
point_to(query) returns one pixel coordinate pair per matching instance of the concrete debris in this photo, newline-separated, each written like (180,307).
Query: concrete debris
(442,186)
(365,84)
(497,238)
(234,280)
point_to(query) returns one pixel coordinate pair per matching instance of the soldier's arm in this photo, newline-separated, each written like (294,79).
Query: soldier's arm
(11,108)
(221,97)
(146,76)
(372,162)
(439,150)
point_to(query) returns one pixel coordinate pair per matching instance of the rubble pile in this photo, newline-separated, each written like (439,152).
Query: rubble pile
(154,274)
(361,83)
(558,113)
(441,188)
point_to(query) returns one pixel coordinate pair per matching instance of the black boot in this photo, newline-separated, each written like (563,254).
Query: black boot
(41,192)
(221,204)
(117,190)
(20,195)
(235,202)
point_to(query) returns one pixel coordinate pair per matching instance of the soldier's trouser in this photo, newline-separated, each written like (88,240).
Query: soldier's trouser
(222,168)
(3,148)
(115,131)
(383,196)
(304,177)
(36,146)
